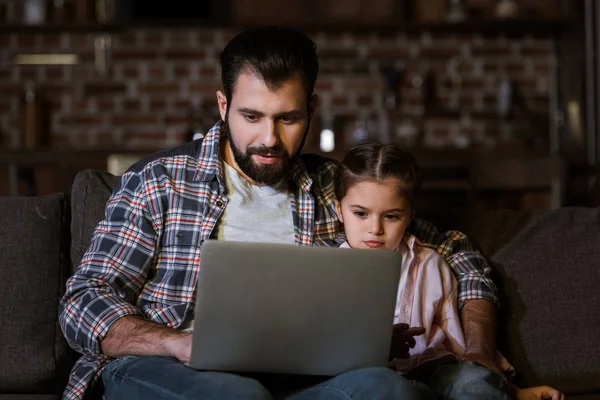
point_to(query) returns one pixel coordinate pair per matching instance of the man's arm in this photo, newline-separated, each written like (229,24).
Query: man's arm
(477,294)
(479,325)
(107,283)
(133,335)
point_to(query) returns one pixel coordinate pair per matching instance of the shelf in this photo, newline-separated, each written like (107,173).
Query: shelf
(25,158)
(50,28)
(450,113)
(514,27)
(509,27)
(495,26)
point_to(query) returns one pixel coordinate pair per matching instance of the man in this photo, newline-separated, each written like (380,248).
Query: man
(130,303)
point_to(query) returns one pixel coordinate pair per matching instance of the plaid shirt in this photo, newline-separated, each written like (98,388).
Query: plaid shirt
(144,256)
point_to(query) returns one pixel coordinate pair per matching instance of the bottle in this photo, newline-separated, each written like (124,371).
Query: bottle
(58,12)
(429,89)
(506,9)
(456,11)
(34,118)
(504,100)
(84,12)
(3,12)
(34,12)
(104,11)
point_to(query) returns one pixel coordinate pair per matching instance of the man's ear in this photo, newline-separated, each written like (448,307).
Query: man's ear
(412,216)
(338,210)
(222,102)
(312,106)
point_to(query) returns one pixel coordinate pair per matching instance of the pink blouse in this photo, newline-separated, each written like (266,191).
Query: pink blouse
(427,297)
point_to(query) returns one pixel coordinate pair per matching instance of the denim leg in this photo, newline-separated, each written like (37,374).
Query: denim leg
(467,381)
(134,377)
(377,383)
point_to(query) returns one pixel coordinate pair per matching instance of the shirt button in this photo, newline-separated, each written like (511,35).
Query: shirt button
(179,235)
(220,204)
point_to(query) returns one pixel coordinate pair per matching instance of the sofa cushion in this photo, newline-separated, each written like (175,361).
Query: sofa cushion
(547,268)
(34,356)
(89,194)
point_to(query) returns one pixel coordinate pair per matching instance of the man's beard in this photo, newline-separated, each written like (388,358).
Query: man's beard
(267,174)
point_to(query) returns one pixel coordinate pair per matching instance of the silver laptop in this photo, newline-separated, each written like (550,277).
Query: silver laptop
(290,309)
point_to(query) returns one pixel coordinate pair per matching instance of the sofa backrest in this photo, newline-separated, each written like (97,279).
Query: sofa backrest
(546,265)
(34,243)
(547,269)
(90,191)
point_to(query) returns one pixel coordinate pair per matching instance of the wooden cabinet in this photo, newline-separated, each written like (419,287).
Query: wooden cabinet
(319,13)
(361,12)
(258,12)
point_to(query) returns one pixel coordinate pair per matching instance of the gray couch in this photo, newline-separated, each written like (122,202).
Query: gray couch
(546,264)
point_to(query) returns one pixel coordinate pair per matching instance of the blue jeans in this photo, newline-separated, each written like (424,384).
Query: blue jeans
(134,377)
(466,381)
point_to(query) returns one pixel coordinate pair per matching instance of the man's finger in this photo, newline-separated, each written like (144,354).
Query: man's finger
(556,395)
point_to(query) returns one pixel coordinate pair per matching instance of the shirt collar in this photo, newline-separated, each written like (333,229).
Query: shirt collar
(410,240)
(210,167)
(208,155)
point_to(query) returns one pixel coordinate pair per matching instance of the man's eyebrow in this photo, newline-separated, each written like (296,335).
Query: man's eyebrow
(291,113)
(245,110)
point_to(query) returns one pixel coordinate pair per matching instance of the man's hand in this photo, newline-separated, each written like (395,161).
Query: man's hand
(180,347)
(403,340)
(135,336)
(539,392)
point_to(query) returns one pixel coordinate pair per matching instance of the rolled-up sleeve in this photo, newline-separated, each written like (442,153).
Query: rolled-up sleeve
(108,281)
(471,269)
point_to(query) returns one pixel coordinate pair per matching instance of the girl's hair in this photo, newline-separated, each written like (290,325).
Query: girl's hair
(376,162)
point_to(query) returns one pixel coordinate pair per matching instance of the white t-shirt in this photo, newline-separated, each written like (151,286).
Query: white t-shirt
(255,213)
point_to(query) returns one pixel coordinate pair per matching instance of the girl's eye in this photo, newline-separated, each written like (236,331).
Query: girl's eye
(360,214)
(392,217)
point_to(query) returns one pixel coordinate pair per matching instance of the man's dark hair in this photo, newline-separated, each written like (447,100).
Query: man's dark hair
(273,54)
(376,162)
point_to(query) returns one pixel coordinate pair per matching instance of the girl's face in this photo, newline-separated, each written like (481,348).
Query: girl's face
(375,214)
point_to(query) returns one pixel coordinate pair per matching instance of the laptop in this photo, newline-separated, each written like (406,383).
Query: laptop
(277,308)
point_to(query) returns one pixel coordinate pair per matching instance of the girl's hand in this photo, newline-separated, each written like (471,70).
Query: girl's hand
(403,340)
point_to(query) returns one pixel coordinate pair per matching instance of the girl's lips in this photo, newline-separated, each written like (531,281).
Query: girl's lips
(373,244)
(268,159)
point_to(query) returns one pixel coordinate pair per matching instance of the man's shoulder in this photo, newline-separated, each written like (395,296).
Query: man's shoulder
(317,164)
(428,257)
(185,152)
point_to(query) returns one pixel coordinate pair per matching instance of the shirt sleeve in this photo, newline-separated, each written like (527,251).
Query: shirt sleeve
(472,271)
(108,281)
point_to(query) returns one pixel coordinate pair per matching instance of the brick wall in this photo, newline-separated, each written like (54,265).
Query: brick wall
(156,76)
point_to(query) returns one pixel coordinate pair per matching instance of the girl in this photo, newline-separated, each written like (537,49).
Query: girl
(375,187)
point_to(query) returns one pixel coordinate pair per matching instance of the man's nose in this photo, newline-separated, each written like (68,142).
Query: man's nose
(270,136)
